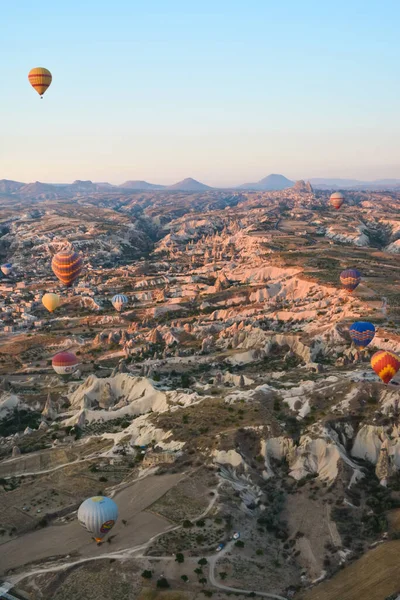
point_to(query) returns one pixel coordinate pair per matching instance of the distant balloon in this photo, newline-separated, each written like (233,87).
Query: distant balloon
(6,268)
(98,516)
(385,364)
(362,333)
(119,301)
(350,278)
(51,301)
(337,199)
(67,265)
(65,363)
(40,79)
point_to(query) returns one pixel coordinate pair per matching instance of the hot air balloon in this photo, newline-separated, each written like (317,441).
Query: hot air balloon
(64,363)
(362,333)
(119,301)
(51,301)
(98,516)
(385,364)
(350,278)
(40,79)
(337,199)
(6,268)
(67,265)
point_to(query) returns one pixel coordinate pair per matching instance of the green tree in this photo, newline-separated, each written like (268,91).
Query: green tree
(202,561)
(147,574)
(179,558)
(186,523)
(162,583)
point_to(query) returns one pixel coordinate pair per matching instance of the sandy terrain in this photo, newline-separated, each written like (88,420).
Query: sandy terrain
(71,538)
(374,577)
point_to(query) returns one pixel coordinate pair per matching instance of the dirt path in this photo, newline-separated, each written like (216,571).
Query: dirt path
(128,552)
(72,539)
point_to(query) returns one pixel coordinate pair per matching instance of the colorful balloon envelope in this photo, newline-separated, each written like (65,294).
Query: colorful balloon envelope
(40,79)
(385,364)
(6,268)
(65,363)
(119,301)
(362,333)
(350,278)
(51,301)
(98,516)
(67,265)
(337,199)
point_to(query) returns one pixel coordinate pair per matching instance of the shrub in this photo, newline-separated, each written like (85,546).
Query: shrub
(186,523)
(147,574)
(162,583)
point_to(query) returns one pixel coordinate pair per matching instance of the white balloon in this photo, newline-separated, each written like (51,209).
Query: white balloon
(98,516)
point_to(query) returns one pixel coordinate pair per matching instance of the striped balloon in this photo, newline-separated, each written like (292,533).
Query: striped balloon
(65,363)
(350,278)
(98,516)
(119,301)
(67,266)
(40,79)
(385,364)
(362,333)
(337,199)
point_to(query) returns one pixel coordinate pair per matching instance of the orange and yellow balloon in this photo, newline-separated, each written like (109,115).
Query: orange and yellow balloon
(40,79)
(51,301)
(67,265)
(385,364)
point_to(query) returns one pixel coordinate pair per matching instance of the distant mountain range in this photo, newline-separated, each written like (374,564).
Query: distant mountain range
(52,191)
(337,183)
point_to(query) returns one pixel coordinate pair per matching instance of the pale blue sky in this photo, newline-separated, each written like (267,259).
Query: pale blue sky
(225,91)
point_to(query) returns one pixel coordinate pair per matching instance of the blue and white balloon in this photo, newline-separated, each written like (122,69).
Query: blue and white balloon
(119,301)
(98,516)
(6,268)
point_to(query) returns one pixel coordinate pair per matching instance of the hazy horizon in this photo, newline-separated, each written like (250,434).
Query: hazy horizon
(222,94)
(173,180)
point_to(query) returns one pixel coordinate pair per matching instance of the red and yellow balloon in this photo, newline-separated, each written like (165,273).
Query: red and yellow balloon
(40,79)
(385,364)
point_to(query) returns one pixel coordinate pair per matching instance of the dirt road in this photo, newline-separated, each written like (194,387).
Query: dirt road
(72,539)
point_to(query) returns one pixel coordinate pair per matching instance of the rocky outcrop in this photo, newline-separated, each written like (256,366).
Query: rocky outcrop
(49,411)
(15,451)
(122,395)
(155,336)
(230,457)
(319,456)
(302,187)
